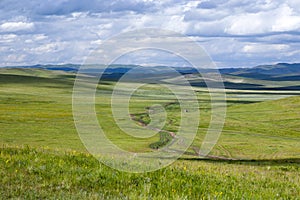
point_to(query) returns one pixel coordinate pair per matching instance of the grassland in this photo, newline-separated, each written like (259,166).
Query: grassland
(39,174)
(259,145)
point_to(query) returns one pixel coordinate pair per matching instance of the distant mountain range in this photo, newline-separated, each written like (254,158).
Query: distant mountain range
(277,72)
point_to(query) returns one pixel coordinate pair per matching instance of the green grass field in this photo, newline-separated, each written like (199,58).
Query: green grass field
(256,157)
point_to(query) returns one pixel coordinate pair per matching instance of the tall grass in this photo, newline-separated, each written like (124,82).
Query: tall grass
(47,174)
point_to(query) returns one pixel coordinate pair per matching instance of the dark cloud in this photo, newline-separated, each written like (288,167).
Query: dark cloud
(92,6)
(60,7)
(207,5)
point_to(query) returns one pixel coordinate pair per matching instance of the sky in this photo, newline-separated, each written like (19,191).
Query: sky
(234,33)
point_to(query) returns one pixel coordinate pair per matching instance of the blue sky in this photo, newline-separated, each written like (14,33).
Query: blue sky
(234,33)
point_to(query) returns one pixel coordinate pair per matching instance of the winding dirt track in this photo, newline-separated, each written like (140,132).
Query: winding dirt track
(133,117)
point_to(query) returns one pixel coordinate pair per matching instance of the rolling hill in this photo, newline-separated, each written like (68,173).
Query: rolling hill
(277,72)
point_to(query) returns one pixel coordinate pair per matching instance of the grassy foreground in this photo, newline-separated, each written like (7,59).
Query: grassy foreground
(47,174)
(261,136)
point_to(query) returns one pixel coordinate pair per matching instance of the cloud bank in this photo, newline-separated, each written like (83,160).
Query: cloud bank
(234,33)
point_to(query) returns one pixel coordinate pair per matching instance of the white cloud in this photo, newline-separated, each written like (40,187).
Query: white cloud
(287,20)
(16,26)
(7,38)
(264,48)
(39,37)
(246,24)
(16,58)
(45,48)
(281,19)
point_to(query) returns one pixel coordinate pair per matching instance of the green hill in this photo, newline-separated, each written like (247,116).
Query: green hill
(257,155)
